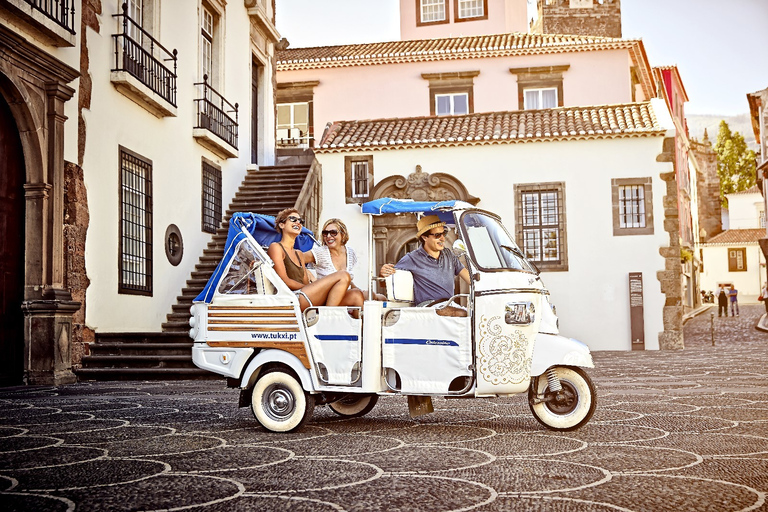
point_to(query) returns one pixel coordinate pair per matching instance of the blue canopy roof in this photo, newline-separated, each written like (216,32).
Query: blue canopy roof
(386,205)
(262,229)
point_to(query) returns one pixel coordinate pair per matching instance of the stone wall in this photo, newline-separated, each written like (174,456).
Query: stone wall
(558,17)
(76,219)
(710,209)
(671,337)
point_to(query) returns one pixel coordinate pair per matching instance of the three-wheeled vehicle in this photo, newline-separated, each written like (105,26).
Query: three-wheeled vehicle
(247,325)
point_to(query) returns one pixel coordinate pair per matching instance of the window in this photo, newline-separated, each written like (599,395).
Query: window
(294,114)
(358,174)
(431,12)
(539,87)
(136,13)
(135,264)
(206,44)
(535,99)
(293,124)
(632,204)
(737,260)
(451,104)
(211,207)
(451,93)
(540,224)
(211,16)
(469,10)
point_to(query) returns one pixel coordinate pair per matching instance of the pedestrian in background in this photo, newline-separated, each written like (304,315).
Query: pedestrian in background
(733,295)
(722,301)
(764,295)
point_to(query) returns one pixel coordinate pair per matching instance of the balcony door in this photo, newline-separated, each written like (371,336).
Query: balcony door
(12,174)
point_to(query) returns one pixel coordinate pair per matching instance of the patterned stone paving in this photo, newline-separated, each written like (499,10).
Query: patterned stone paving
(673,431)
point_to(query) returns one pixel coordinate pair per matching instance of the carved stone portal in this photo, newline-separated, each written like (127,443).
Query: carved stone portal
(392,233)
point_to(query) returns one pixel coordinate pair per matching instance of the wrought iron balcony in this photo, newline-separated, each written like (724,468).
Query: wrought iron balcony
(213,113)
(143,57)
(61,12)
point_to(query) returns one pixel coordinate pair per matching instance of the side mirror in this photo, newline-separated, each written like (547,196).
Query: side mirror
(459,247)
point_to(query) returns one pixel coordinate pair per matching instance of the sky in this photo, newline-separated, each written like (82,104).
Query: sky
(719,46)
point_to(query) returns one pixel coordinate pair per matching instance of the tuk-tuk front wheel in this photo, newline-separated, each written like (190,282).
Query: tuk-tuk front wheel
(354,406)
(567,409)
(279,402)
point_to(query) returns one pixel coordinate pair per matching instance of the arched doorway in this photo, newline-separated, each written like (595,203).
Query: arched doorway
(394,235)
(12,216)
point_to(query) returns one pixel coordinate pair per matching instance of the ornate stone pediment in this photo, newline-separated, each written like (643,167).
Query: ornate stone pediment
(422,186)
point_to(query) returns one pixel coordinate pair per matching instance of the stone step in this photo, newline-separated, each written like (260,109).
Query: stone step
(146,374)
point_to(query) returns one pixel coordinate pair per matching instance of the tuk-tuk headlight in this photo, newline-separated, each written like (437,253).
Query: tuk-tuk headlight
(520,313)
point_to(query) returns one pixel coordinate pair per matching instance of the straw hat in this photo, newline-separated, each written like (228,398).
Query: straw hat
(428,222)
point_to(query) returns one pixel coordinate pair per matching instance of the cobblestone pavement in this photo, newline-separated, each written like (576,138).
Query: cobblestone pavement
(674,430)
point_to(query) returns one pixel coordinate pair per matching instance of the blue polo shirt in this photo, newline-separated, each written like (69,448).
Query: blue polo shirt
(432,278)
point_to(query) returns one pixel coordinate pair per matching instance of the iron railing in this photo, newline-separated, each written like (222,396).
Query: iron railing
(59,11)
(213,113)
(310,198)
(139,54)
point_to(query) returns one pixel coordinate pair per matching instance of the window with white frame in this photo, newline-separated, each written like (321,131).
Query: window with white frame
(471,9)
(135,263)
(632,204)
(136,13)
(451,104)
(540,98)
(293,124)
(540,224)
(206,43)
(432,11)
(358,173)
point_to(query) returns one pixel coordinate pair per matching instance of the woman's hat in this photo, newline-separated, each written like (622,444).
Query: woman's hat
(428,222)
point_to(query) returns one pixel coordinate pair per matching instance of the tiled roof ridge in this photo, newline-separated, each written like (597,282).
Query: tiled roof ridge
(738,235)
(558,123)
(362,53)
(751,190)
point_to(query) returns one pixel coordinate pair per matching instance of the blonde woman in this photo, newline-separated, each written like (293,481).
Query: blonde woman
(334,256)
(329,290)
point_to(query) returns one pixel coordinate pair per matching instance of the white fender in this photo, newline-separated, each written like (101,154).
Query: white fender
(277,356)
(553,349)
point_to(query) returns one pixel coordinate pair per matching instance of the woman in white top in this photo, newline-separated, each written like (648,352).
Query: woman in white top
(764,293)
(334,255)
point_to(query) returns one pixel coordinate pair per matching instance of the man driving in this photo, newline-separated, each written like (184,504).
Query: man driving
(432,267)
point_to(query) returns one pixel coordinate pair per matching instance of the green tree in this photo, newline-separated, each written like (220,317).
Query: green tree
(735,162)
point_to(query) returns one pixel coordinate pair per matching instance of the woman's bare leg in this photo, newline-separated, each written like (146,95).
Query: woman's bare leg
(353,298)
(327,291)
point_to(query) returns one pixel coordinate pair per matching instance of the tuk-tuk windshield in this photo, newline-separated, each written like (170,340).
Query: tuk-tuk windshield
(489,244)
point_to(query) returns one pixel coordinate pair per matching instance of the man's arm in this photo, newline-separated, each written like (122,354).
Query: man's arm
(464,274)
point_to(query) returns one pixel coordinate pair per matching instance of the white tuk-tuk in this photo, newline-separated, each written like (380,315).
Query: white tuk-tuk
(247,326)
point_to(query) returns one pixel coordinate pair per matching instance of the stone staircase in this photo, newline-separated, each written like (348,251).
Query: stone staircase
(167,355)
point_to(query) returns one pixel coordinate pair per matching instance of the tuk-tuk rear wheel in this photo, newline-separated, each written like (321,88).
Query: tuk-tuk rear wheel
(279,402)
(354,405)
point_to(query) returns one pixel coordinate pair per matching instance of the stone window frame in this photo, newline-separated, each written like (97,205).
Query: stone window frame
(420,23)
(348,178)
(211,197)
(299,92)
(458,19)
(560,265)
(124,286)
(539,77)
(647,184)
(456,82)
(733,260)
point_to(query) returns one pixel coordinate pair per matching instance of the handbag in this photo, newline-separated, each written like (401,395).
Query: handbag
(761,298)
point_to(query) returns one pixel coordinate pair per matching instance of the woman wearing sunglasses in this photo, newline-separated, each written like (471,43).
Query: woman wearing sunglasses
(329,290)
(334,255)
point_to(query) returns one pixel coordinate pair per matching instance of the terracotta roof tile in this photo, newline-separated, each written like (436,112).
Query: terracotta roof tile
(751,190)
(498,45)
(608,121)
(737,236)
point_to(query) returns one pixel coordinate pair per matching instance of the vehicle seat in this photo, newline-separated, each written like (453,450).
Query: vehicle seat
(400,288)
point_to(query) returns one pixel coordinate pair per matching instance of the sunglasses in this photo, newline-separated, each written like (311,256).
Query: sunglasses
(293,218)
(331,232)
(438,235)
